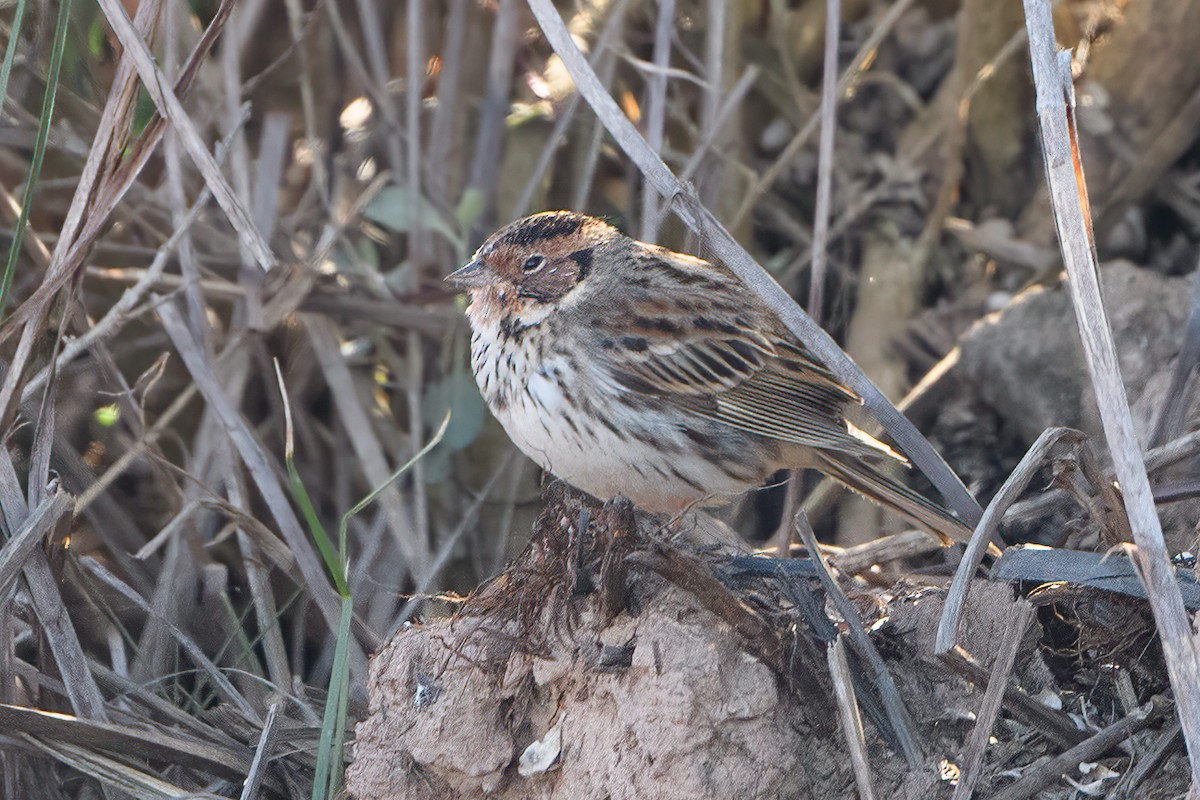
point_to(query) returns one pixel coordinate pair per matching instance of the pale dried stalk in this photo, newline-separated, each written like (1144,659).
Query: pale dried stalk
(1068,193)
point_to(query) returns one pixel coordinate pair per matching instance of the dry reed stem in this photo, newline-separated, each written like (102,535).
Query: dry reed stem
(1068,192)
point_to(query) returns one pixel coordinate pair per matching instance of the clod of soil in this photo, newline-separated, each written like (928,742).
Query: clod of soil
(543,687)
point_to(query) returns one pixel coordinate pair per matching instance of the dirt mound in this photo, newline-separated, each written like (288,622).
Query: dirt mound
(544,685)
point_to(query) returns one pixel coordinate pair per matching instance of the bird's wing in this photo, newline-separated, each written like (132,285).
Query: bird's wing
(721,361)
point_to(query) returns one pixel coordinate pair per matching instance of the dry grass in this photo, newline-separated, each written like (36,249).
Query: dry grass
(226,324)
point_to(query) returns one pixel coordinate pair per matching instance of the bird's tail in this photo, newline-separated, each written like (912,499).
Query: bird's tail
(872,483)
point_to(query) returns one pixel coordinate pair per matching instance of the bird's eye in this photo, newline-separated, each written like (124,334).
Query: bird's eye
(533,263)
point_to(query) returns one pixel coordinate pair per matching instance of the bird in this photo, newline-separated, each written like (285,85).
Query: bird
(627,369)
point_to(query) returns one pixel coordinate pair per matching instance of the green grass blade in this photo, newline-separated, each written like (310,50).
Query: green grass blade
(366,501)
(10,52)
(335,565)
(328,776)
(328,779)
(39,147)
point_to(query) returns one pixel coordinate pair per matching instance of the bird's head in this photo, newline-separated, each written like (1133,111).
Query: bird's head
(530,267)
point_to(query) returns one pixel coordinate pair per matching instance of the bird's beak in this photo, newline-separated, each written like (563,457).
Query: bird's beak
(471,276)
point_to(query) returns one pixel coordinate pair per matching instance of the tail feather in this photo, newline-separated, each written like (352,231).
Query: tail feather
(868,481)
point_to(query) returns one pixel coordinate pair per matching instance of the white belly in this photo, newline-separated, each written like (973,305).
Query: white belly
(640,455)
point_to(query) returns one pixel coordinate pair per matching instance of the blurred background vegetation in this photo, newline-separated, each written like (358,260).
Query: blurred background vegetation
(372,146)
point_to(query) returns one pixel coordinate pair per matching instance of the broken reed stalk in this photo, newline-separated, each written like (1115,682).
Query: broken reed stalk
(1068,193)
(656,110)
(701,221)
(170,107)
(988,529)
(820,229)
(258,465)
(901,720)
(848,716)
(1179,393)
(1020,615)
(820,238)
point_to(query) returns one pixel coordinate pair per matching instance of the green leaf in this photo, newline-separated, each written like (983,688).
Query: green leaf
(392,208)
(10,50)
(470,208)
(458,394)
(330,760)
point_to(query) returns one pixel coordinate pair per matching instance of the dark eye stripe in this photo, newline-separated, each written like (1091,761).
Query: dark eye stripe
(584,259)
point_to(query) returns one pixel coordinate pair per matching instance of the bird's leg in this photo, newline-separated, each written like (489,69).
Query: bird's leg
(618,525)
(576,548)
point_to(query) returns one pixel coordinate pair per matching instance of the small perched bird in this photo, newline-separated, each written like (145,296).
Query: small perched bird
(628,369)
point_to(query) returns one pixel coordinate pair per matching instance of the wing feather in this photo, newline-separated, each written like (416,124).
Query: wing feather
(730,373)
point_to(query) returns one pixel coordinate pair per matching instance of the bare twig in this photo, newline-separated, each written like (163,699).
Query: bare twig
(220,682)
(124,309)
(816,289)
(102,184)
(821,214)
(848,716)
(1179,393)
(78,683)
(1068,192)
(986,533)
(416,257)
(656,110)
(1019,617)
(616,19)
(1167,742)
(855,559)
(231,760)
(438,563)
(18,547)
(489,145)
(168,103)
(173,157)
(713,113)
(377,61)
(32,313)
(262,754)
(864,55)
(1054,725)
(606,71)
(250,451)
(898,715)
(1088,750)
(365,443)
(441,127)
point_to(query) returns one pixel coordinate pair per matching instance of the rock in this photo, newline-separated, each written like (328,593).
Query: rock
(1027,363)
(1022,370)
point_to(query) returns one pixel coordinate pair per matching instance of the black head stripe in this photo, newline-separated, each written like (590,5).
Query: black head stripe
(541,227)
